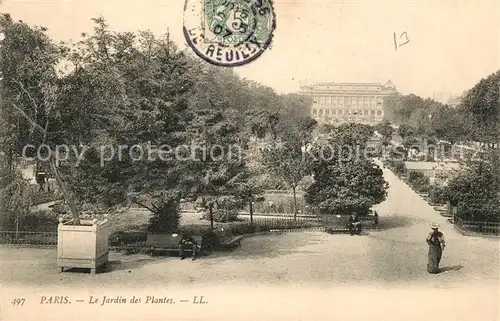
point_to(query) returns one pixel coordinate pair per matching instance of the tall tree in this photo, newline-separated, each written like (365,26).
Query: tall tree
(345,181)
(30,90)
(474,190)
(448,124)
(481,106)
(142,94)
(385,129)
(288,159)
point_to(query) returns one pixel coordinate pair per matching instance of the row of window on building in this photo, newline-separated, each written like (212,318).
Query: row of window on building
(332,112)
(338,121)
(346,100)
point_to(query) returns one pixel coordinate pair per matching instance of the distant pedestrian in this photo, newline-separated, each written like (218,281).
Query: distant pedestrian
(354,224)
(187,242)
(435,239)
(41,181)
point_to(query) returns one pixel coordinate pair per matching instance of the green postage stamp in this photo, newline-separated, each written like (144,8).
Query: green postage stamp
(229,32)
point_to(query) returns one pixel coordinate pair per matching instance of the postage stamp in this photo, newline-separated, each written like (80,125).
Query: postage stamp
(229,32)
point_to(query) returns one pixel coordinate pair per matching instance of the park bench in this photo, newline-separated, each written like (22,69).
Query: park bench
(336,229)
(367,222)
(225,240)
(129,238)
(168,243)
(232,243)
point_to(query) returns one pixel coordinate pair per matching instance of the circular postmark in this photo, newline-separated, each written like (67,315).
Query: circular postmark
(229,32)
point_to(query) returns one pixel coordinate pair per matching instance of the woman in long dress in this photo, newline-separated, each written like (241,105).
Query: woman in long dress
(435,239)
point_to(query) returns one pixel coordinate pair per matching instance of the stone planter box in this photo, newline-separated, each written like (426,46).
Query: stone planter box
(82,246)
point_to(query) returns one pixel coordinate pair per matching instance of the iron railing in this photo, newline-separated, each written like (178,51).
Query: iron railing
(28,238)
(479,227)
(259,225)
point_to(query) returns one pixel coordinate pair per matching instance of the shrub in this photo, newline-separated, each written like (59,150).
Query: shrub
(242,229)
(342,187)
(418,181)
(437,194)
(280,203)
(397,166)
(398,154)
(194,229)
(60,208)
(423,188)
(127,238)
(224,210)
(39,221)
(474,190)
(166,216)
(42,197)
(222,215)
(15,199)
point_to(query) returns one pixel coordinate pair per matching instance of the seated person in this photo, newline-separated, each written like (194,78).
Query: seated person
(354,224)
(187,242)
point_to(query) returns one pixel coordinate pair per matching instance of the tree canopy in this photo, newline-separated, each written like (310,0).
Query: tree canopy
(474,190)
(143,121)
(475,119)
(286,158)
(344,179)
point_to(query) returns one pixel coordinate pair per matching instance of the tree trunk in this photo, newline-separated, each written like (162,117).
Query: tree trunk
(11,160)
(17,225)
(66,193)
(294,203)
(210,209)
(251,212)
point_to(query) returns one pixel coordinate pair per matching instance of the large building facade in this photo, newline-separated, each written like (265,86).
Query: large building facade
(337,103)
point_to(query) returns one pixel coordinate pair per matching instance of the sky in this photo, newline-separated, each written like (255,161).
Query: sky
(452,44)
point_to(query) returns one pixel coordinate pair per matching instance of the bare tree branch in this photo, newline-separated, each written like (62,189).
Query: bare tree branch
(31,121)
(27,93)
(146,207)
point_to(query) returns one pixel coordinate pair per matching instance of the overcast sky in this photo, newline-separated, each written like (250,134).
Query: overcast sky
(453,44)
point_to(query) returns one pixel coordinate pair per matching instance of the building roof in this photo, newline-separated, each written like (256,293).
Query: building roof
(334,83)
(390,84)
(348,86)
(330,83)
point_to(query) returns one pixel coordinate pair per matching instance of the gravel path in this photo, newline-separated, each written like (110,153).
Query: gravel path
(392,258)
(396,254)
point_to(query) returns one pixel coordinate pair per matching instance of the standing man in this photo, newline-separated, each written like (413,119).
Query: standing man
(435,239)
(40,177)
(375,221)
(187,242)
(354,224)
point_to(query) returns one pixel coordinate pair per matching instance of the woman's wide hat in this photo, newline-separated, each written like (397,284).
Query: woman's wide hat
(435,226)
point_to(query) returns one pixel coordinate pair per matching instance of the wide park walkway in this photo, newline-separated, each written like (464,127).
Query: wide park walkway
(393,258)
